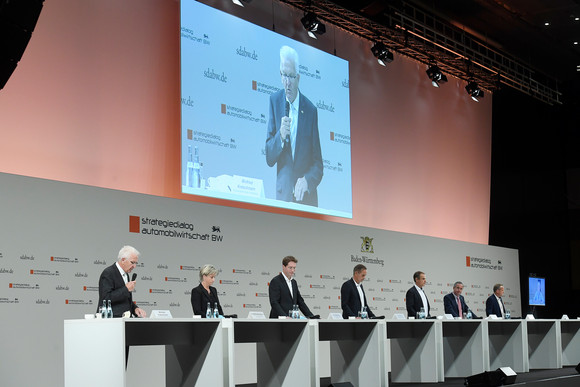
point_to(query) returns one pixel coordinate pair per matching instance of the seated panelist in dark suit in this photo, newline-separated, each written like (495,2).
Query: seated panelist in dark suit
(416,297)
(494,303)
(352,294)
(115,284)
(205,292)
(455,303)
(284,293)
(292,140)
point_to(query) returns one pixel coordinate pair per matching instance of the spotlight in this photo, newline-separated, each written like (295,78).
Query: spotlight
(473,90)
(382,53)
(241,2)
(313,25)
(436,76)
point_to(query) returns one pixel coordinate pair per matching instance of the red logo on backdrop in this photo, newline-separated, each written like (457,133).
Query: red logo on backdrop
(189,134)
(52,258)
(468,261)
(134,224)
(85,288)
(150,290)
(66,302)
(254,85)
(223,108)
(331,136)
(9,285)
(220,281)
(31,271)
(165,279)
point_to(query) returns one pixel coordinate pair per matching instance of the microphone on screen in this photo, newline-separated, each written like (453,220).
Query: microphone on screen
(287,114)
(134,276)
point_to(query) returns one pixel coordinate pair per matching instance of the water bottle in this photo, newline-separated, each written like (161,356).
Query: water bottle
(196,170)
(295,312)
(469,314)
(364,314)
(422,313)
(208,311)
(109,309)
(189,168)
(104,310)
(216,313)
(507,314)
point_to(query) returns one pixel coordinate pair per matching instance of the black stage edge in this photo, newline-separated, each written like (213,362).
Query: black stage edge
(563,377)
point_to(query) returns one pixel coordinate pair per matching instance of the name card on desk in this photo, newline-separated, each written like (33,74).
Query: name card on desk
(493,317)
(449,316)
(399,316)
(257,316)
(335,316)
(530,317)
(160,314)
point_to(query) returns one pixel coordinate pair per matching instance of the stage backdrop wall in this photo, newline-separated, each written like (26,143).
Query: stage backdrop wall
(95,100)
(56,238)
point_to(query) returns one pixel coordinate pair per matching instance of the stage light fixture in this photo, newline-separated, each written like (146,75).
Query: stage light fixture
(313,25)
(435,75)
(473,90)
(382,53)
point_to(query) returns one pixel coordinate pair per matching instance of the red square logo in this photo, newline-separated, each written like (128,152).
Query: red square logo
(254,85)
(134,224)
(467,261)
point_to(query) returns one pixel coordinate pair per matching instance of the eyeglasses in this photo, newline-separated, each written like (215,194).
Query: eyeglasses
(288,77)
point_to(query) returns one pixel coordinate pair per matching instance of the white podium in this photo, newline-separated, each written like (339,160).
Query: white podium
(570,330)
(283,351)
(355,350)
(507,344)
(191,352)
(415,352)
(463,347)
(544,344)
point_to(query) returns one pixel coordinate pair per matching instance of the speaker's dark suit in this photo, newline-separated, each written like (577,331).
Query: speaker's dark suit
(307,160)
(282,301)
(414,303)
(112,287)
(200,297)
(350,300)
(492,306)
(452,308)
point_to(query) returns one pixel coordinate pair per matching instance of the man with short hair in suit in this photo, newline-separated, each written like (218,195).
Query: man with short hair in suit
(352,294)
(292,140)
(416,297)
(455,303)
(284,293)
(494,303)
(115,285)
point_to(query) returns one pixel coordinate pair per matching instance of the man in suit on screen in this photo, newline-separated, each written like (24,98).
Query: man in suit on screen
(455,303)
(292,141)
(494,303)
(416,298)
(352,294)
(284,293)
(115,284)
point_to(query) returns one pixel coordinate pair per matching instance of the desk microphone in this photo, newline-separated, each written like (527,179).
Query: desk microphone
(287,139)
(134,276)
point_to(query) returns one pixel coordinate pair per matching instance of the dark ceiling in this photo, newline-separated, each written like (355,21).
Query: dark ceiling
(515,27)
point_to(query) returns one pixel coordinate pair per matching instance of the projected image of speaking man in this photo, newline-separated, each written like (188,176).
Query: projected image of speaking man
(292,142)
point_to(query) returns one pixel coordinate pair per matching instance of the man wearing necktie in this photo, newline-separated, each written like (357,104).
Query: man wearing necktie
(352,294)
(115,285)
(455,303)
(494,303)
(416,298)
(292,140)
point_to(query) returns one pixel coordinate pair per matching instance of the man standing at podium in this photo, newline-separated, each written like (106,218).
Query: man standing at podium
(416,297)
(455,303)
(352,294)
(284,293)
(494,303)
(115,285)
